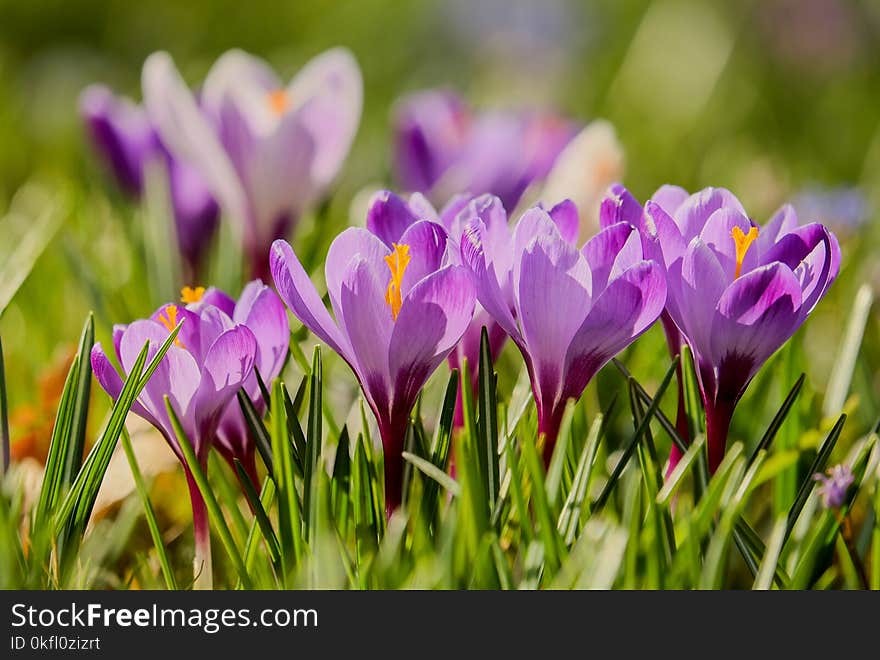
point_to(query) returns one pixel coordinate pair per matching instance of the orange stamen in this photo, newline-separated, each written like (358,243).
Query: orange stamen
(168,318)
(742,241)
(397,262)
(191,295)
(279,101)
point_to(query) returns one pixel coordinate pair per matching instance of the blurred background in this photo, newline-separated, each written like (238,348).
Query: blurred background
(774,99)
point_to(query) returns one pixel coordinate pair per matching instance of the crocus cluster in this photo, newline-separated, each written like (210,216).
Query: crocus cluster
(126,140)
(219,344)
(737,291)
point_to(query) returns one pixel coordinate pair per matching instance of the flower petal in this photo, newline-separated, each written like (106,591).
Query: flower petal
(300,296)
(332,83)
(389,216)
(353,243)
(220,299)
(669,198)
(427,243)
(692,215)
(629,306)
(718,235)
(260,309)
(187,134)
(610,252)
(565,215)
(111,382)
(432,320)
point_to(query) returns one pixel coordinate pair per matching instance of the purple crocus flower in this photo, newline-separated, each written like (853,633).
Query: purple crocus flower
(441,147)
(399,312)
(124,137)
(833,487)
(267,150)
(212,357)
(390,216)
(737,291)
(569,311)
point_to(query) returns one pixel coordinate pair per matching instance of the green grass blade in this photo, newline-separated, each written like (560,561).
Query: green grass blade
(670,486)
(487,426)
(260,514)
(817,466)
(637,436)
(257,429)
(433,472)
(845,363)
(313,443)
(778,419)
(80,410)
(149,514)
(289,514)
(214,512)
(574,502)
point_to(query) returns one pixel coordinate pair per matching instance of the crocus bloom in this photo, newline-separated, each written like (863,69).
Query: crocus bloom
(267,150)
(209,361)
(399,312)
(833,487)
(390,216)
(737,291)
(569,311)
(124,137)
(442,147)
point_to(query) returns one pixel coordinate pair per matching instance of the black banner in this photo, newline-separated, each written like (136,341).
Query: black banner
(394,624)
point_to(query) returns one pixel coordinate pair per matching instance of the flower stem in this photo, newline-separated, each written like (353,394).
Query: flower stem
(718,416)
(202,567)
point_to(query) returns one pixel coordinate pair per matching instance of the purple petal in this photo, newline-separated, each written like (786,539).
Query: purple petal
(260,309)
(220,299)
(669,198)
(611,251)
(553,285)
(619,206)
(692,215)
(121,133)
(389,216)
(718,235)
(189,336)
(300,296)
(664,236)
(432,320)
(756,315)
(187,134)
(332,83)
(368,323)
(110,380)
(353,243)
(195,211)
(626,309)
(429,131)
(477,256)
(565,215)
(427,243)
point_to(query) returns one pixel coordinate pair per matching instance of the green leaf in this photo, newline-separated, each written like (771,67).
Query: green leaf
(433,472)
(257,429)
(487,425)
(149,514)
(80,412)
(313,443)
(289,515)
(574,502)
(637,436)
(817,467)
(778,419)
(260,514)
(844,364)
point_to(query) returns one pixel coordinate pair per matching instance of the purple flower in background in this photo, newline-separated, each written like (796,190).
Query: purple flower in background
(267,150)
(569,311)
(737,291)
(212,357)
(124,137)
(833,487)
(442,147)
(399,312)
(389,216)
(261,311)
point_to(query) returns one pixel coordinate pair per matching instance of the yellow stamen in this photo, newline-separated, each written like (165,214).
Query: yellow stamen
(168,318)
(397,262)
(279,101)
(742,241)
(191,295)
